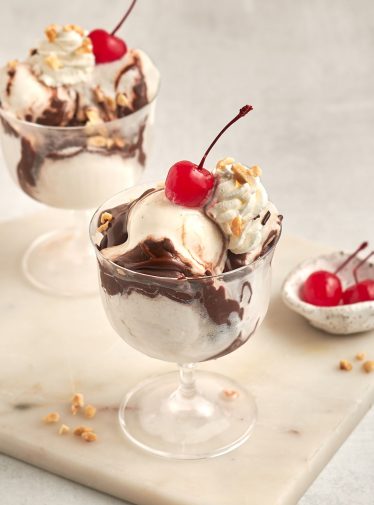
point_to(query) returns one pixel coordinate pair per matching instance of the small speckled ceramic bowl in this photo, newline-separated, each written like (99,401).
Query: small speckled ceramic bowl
(342,319)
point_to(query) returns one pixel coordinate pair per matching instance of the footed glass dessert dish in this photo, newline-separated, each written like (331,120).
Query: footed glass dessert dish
(186,320)
(73,168)
(76,118)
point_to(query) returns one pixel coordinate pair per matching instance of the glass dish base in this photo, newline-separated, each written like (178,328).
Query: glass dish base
(161,418)
(61,263)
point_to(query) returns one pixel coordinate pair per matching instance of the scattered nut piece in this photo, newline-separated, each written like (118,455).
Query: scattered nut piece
(360,356)
(223,163)
(74,28)
(52,417)
(109,143)
(242,173)
(345,365)
(100,97)
(111,103)
(97,141)
(79,430)
(106,216)
(90,412)
(76,403)
(51,32)
(230,394)
(89,436)
(255,171)
(64,429)
(86,47)
(368,366)
(53,62)
(103,227)
(93,116)
(11,65)
(236,226)
(122,100)
(120,143)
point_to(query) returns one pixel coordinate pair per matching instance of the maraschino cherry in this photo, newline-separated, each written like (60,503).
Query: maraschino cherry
(362,291)
(106,46)
(189,184)
(323,288)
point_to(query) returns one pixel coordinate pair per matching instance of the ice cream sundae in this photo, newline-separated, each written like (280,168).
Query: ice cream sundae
(76,114)
(184,265)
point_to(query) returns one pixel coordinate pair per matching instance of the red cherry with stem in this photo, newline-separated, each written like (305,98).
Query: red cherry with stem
(362,291)
(323,288)
(106,46)
(189,184)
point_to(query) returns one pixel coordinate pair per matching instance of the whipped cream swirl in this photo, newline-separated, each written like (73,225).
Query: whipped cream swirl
(238,201)
(66,56)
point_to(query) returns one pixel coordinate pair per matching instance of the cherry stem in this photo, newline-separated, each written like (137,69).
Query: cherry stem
(359,248)
(124,17)
(243,111)
(360,265)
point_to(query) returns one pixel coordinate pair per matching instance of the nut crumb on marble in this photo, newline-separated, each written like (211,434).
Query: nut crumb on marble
(89,436)
(64,429)
(77,402)
(52,417)
(89,411)
(230,394)
(345,365)
(360,356)
(368,366)
(79,430)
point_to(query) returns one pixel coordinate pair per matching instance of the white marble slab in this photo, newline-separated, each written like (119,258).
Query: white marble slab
(51,347)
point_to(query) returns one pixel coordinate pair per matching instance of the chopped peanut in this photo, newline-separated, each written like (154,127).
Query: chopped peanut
(89,411)
(81,429)
(75,28)
(52,417)
(236,226)
(89,436)
(64,429)
(242,174)
(223,163)
(76,403)
(360,356)
(368,366)
(53,62)
(97,141)
(255,171)
(51,32)
(345,365)
(106,217)
(122,100)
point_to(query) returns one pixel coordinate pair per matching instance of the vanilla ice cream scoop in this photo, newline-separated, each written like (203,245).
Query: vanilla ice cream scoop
(161,236)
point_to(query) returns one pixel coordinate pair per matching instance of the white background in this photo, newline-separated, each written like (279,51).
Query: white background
(307,66)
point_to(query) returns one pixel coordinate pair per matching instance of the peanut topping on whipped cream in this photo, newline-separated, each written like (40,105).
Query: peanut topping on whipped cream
(65,57)
(237,204)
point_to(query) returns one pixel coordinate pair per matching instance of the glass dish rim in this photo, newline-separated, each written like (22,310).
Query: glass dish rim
(251,266)
(10,118)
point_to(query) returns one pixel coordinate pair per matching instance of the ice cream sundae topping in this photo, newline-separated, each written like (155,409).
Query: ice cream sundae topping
(64,57)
